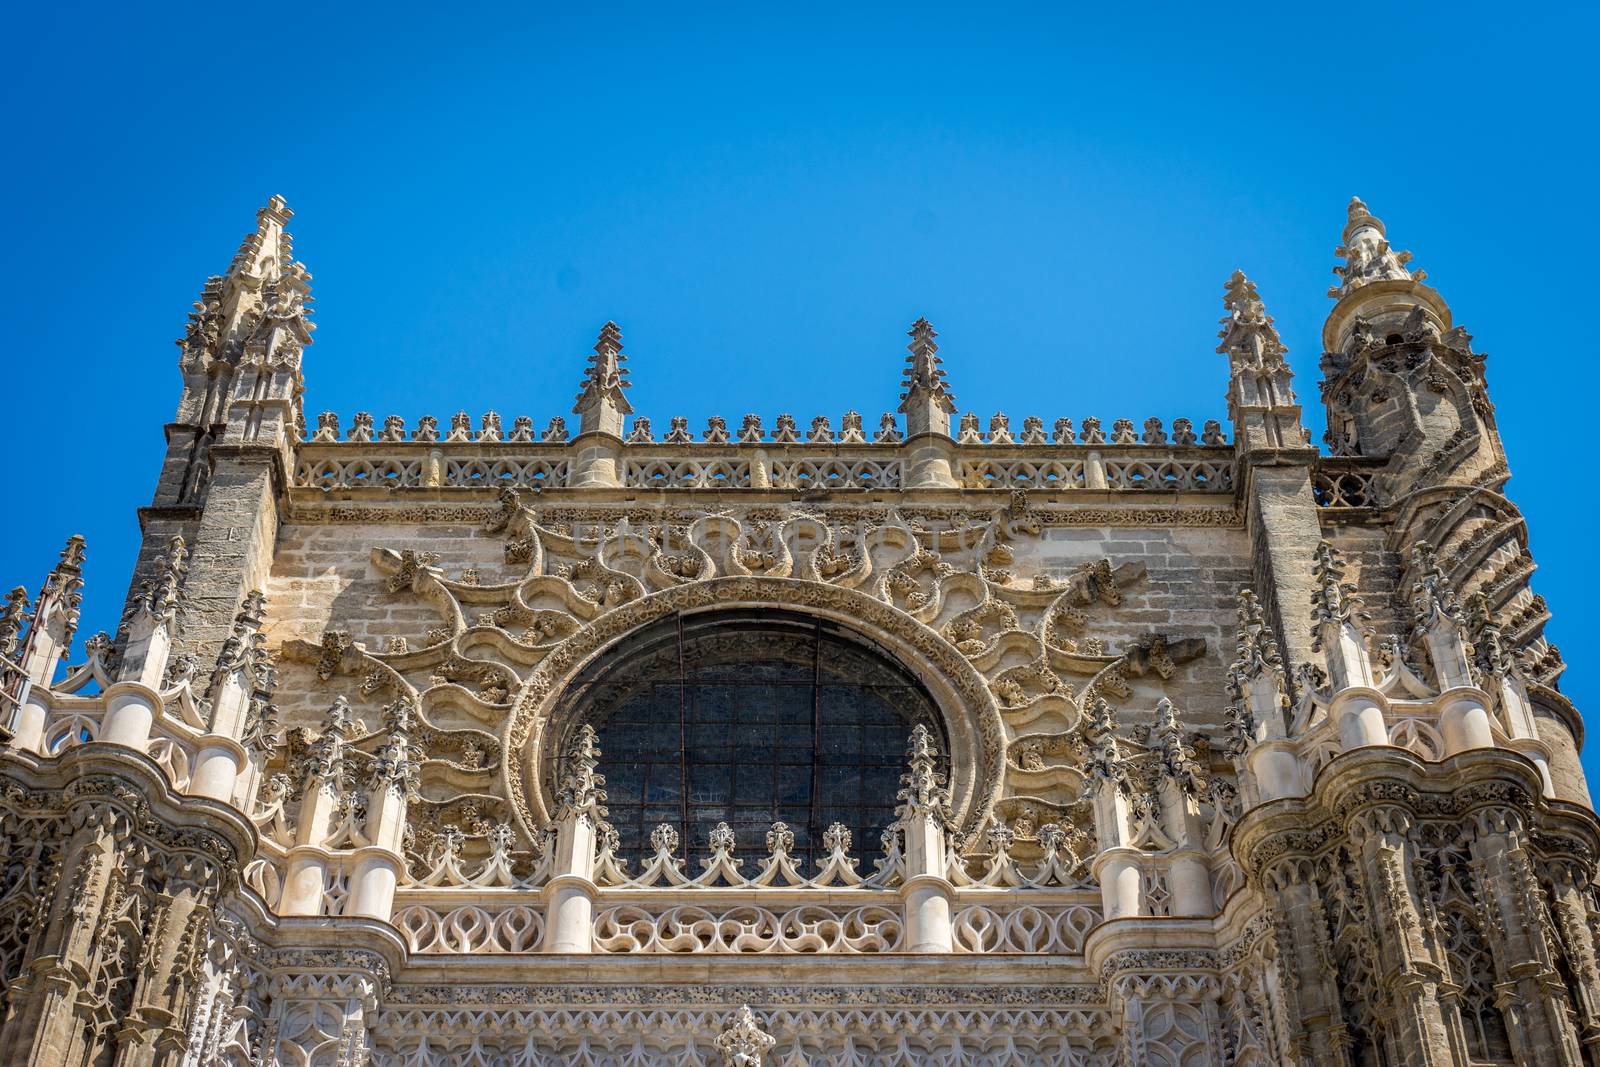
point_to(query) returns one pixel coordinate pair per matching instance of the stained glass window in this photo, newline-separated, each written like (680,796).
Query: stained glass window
(750,719)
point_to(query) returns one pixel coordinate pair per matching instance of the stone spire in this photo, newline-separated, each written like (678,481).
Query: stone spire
(1340,620)
(1378,295)
(927,402)
(255,320)
(1367,255)
(55,616)
(13,618)
(148,625)
(582,794)
(1257,682)
(602,402)
(1439,621)
(1247,330)
(1261,400)
(922,787)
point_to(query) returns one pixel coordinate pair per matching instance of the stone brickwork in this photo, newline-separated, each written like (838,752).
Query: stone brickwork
(1219,748)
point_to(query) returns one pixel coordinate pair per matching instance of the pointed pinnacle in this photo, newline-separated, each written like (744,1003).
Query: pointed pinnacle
(277,210)
(922,335)
(1357,216)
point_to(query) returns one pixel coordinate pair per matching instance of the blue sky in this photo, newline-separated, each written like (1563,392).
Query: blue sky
(765,202)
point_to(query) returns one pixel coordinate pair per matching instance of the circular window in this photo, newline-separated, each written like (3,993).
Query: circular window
(749,719)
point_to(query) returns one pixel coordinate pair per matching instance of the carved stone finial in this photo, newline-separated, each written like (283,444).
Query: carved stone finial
(1493,656)
(1333,600)
(1433,596)
(396,766)
(927,401)
(1257,663)
(1439,621)
(1105,762)
(742,1042)
(243,647)
(922,788)
(780,839)
(582,794)
(341,721)
(664,839)
(722,839)
(601,401)
(159,594)
(1176,755)
(12,619)
(1248,335)
(1367,255)
(61,599)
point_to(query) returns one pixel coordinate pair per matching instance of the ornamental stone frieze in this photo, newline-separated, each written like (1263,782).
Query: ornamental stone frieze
(929,737)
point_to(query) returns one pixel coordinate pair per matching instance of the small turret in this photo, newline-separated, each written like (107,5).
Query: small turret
(1261,400)
(602,403)
(927,402)
(55,615)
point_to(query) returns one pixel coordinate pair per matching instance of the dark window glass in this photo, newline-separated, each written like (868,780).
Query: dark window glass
(750,720)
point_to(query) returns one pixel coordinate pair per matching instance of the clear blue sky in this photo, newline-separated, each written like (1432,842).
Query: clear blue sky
(765,203)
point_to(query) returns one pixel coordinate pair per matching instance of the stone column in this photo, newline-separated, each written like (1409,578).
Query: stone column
(1258,736)
(580,813)
(923,818)
(221,757)
(321,787)
(377,868)
(45,1024)
(1357,707)
(155,1029)
(1532,995)
(1310,986)
(133,702)
(1119,866)
(1405,957)
(55,620)
(1180,785)
(1570,895)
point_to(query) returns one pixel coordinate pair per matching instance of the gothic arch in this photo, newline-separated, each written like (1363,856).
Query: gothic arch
(970,716)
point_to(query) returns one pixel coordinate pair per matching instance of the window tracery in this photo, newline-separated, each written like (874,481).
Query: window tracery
(749,719)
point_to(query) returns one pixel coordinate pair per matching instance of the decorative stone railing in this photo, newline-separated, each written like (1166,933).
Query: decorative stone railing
(1063,467)
(998,904)
(408,465)
(797,466)
(1346,482)
(1152,431)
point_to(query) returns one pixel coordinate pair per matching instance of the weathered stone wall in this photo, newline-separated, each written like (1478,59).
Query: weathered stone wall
(323,579)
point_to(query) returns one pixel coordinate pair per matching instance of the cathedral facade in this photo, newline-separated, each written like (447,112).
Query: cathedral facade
(917,740)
